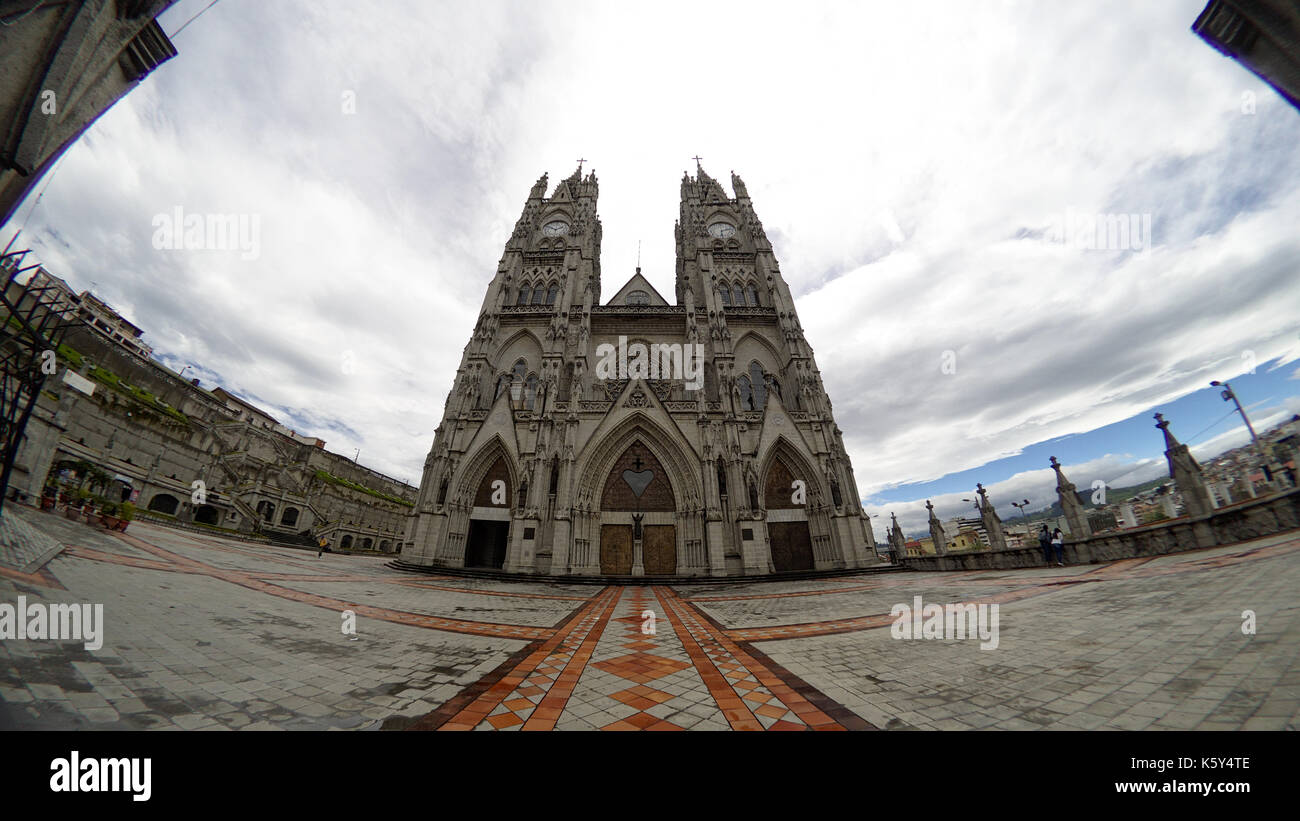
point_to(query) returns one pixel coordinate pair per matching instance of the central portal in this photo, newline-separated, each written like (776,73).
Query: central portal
(637,488)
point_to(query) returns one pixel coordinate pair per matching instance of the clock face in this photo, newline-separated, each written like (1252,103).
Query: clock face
(555,228)
(722,230)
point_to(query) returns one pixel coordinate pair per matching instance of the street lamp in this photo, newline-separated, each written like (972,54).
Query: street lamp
(1021,506)
(1228,395)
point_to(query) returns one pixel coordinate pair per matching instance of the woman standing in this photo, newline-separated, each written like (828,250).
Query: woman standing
(1058,542)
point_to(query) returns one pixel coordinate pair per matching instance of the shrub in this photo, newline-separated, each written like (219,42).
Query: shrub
(126,512)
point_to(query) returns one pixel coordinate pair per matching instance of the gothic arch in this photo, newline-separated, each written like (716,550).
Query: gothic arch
(798,465)
(477,466)
(595,463)
(764,344)
(523,343)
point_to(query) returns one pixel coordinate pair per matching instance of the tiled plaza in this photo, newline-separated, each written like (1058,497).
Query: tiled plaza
(203,632)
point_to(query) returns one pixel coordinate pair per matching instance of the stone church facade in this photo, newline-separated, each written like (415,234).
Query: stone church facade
(582,438)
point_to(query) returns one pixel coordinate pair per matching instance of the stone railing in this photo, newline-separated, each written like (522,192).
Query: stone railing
(1241,522)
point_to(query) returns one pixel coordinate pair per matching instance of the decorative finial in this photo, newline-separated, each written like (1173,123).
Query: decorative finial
(1160,421)
(1055,464)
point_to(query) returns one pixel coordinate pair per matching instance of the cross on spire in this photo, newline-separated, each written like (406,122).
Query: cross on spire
(580,162)
(697,159)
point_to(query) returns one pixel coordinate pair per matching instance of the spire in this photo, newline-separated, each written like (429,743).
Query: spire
(539,188)
(738,187)
(1163,424)
(1070,505)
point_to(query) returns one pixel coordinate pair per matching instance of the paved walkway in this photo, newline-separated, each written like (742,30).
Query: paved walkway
(205,632)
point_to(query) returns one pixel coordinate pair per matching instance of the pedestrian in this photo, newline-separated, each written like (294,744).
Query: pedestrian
(1045,542)
(321,546)
(1058,542)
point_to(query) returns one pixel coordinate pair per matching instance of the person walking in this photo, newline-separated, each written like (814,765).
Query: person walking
(1058,543)
(320,547)
(1045,542)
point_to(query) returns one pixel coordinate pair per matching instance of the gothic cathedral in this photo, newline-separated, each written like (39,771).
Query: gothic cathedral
(638,437)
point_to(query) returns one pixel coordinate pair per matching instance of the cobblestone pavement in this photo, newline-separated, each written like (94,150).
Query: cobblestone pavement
(202,632)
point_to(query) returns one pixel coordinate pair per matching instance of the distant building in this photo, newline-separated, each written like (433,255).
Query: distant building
(1262,35)
(62,66)
(248,412)
(93,311)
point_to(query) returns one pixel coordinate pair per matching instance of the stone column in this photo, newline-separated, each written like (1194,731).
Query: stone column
(936,532)
(1185,473)
(1069,498)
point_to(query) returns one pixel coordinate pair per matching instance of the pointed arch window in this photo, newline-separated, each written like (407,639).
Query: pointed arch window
(539,293)
(552,294)
(722,480)
(442,491)
(746,393)
(724,291)
(523,294)
(555,476)
(752,296)
(738,296)
(530,392)
(756,377)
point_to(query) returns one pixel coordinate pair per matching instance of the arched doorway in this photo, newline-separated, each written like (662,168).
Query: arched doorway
(205,515)
(164,503)
(266,510)
(787,517)
(489,523)
(638,486)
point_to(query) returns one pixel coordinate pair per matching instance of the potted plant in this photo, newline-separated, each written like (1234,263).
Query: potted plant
(108,515)
(49,497)
(92,508)
(125,514)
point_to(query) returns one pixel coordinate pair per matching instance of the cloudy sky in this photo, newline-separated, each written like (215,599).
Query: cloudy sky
(927,176)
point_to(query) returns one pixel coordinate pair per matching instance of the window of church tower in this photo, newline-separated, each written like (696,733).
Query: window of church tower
(752,295)
(555,476)
(530,392)
(523,295)
(552,294)
(746,393)
(539,293)
(738,296)
(722,481)
(442,491)
(760,392)
(636,298)
(725,292)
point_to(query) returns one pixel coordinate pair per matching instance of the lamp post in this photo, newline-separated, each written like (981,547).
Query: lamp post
(1021,507)
(1229,395)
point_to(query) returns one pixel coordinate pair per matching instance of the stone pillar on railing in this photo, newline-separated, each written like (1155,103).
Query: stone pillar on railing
(937,535)
(1185,473)
(1069,497)
(992,524)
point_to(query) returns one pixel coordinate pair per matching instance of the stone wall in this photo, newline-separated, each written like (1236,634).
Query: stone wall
(1241,522)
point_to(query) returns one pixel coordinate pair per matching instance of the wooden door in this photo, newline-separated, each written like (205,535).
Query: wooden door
(791,546)
(659,550)
(616,550)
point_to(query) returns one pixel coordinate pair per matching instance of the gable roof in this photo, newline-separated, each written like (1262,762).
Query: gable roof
(637,283)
